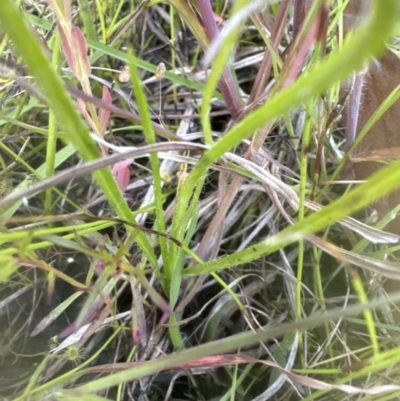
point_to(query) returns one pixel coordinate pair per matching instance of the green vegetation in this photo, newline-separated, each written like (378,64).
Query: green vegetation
(172,222)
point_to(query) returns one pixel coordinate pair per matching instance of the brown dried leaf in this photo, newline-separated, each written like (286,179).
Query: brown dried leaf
(385,268)
(381,79)
(379,155)
(139,328)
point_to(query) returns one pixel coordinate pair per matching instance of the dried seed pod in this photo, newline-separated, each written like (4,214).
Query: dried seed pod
(125,74)
(160,71)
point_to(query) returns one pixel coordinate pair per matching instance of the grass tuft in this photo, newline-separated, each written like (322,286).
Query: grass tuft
(196,201)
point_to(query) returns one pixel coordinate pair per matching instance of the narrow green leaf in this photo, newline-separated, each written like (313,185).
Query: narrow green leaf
(65,111)
(8,267)
(222,346)
(339,65)
(119,55)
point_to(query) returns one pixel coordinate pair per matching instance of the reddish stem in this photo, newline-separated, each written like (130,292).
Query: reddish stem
(226,84)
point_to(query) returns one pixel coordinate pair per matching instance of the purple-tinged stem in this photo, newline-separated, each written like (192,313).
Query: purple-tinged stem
(226,84)
(354,109)
(299,15)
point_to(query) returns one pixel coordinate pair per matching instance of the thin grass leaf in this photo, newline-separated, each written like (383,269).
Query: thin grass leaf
(327,73)
(119,55)
(155,164)
(48,268)
(220,346)
(53,89)
(53,315)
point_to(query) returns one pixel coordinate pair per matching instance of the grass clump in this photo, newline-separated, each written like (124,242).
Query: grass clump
(172,224)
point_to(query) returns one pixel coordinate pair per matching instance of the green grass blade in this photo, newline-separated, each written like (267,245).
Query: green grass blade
(119,55)
(221,346)
(335,68)
(154,160)
(65,111)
